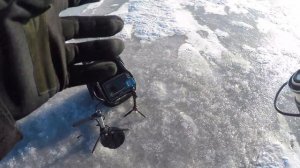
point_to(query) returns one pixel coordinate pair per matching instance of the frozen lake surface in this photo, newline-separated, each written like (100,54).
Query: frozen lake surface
(207,73)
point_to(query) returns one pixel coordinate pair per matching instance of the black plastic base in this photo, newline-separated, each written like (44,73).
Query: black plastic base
(112,137)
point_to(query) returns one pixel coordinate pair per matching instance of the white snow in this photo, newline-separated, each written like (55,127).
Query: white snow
(205,78)
(171,18)
(242,24)
(248,48)
(192,61)
(92,8)
(221,33)
(278,148)
(89,9)
(113,5)
(213,8)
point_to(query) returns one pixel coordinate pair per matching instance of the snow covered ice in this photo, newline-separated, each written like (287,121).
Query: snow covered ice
(207,72)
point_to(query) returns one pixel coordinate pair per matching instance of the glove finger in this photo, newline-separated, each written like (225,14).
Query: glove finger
(31,9)
(107,49)
(87,26)
(73,3)
(91,73)
(34,5)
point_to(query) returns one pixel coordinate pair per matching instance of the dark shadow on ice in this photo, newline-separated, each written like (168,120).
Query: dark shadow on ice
(51,124)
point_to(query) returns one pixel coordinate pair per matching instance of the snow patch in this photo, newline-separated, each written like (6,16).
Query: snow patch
(126,33)
(281,40)
(89,9)
(154,20)
(158,90)
(122,10)
(242,24)
(265,26)
(150,21)
(190,128)
(211,7)
(192,61)
(248,48)
(238,60)
(189,123)
(210,45)
(221,33)
(236,8)
(92,8)
(114,5)
(280,150)
(277,154)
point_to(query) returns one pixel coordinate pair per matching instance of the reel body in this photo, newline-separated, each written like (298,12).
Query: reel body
(116,90)
(112,93)
(109,137)
(294,85)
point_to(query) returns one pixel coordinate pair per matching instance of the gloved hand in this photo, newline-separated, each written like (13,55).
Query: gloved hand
(36,63)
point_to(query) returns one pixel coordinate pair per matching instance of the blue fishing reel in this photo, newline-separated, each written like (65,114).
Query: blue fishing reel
(118,87)
(115,90)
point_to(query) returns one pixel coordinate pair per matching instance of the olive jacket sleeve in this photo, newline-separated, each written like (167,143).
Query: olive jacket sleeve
(36,63)
(28,77)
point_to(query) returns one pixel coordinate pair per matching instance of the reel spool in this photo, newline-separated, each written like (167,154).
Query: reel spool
(109,137)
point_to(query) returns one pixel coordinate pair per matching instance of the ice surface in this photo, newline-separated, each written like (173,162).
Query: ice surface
(207,72)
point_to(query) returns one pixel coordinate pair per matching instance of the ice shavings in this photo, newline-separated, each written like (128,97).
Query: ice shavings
(277,153)
(271,156)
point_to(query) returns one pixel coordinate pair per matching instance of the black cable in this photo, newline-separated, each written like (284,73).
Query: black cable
(275,103)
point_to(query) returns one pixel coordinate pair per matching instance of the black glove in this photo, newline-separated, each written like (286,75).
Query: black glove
(35,61)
